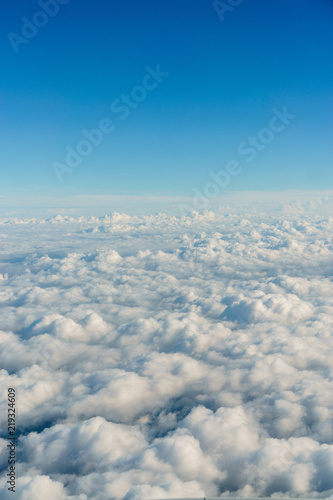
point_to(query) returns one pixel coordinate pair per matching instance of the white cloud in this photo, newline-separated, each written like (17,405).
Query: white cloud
(164,357)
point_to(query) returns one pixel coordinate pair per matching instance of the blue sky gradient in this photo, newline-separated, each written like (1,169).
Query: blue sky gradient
(225,78)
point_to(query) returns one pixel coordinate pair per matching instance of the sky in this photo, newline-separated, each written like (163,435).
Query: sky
(157,355)
(200,84)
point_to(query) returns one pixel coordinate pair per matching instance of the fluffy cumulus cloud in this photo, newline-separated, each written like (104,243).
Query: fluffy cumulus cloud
(168,356)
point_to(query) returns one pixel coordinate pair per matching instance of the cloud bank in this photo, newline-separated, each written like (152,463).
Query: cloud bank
(169,356)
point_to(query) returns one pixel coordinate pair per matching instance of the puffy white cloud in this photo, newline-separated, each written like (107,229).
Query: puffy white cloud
(38,488)
(166,357)
(262,307)
(83,448)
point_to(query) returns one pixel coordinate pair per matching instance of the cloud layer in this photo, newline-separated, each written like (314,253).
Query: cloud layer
(166,357)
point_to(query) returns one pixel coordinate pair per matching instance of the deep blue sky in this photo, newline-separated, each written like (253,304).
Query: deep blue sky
(225,79)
